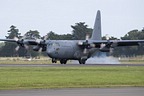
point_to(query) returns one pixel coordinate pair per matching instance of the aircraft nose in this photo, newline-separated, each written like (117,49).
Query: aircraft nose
(50,52)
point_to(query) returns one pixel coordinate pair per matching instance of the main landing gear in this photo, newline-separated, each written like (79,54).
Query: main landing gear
(54,60)
(82,61)
(62,61)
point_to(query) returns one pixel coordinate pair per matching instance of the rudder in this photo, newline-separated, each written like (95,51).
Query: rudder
(96,34)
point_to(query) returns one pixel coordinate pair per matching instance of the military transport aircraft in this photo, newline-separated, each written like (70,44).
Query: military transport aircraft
(81,50)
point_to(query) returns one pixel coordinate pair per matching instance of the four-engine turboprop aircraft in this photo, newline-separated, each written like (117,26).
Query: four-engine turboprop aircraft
(80,50)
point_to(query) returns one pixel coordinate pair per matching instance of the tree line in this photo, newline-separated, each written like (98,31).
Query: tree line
(79,32)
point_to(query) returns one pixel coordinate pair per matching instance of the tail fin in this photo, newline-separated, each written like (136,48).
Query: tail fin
(96,34)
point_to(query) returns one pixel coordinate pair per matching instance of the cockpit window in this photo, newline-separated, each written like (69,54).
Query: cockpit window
(55,44)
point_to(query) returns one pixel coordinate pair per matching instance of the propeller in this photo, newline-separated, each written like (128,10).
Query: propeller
(41,44)
(17,48)
(107,37)
(17,40)
(86,43)
(107,47)
(20,43)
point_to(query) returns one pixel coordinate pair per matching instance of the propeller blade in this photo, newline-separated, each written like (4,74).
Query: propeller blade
(38,41)
(102,45)
(26,46)
(92,45)
(86,47)
(40,50)
(16,39)
(87,37)
(80,43)
(17,48)
(85,51)
(111,50)
(23,37)
(107,37)
(45,37)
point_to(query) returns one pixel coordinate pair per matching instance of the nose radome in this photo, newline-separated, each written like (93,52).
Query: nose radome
(50,52)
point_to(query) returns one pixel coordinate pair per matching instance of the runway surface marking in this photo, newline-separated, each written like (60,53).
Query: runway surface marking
(76,92)
(64,65)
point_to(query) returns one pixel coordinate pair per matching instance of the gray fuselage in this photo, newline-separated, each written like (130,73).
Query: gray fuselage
(66,49)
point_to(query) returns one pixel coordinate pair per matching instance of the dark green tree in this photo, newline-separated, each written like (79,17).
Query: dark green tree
(13,32)
(80,30)
(2,44)
(9,48)
(133,35)
(32,35)
(131,50)
(54,36)
(110,38)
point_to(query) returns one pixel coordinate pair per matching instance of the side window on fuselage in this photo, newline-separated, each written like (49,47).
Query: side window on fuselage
(55,44)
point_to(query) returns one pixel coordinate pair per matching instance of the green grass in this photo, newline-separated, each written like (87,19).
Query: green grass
(70,77)
(20,60)
(132,61)
(25,62)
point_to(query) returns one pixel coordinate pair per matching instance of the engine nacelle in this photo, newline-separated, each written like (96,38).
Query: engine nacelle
(37,48)
(104,49)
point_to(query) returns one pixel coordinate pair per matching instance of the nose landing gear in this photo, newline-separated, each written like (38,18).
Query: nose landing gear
(54,60)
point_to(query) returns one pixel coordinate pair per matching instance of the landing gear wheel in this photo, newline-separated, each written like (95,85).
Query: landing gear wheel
(82,61)
(54,60)
(63,61)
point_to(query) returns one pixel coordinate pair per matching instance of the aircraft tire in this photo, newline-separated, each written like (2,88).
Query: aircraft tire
(54,60)
(63,61)
(82,61)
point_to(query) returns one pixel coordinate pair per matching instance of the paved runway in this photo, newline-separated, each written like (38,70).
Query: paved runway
(76,92)
(64,65)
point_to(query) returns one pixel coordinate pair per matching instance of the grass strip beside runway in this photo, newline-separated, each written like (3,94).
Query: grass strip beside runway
(70,77)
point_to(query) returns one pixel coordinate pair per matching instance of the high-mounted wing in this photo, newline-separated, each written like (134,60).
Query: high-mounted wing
(40,44)
(8,40)
(106,45)
(129,42)
(21,41)
(115,43)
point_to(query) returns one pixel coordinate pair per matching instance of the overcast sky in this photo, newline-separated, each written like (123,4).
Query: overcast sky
(118,16)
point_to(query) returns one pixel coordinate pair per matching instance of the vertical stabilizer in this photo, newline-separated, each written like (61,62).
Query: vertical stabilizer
(96,34)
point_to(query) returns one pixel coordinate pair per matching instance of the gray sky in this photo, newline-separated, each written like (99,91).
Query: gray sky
(118,16)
